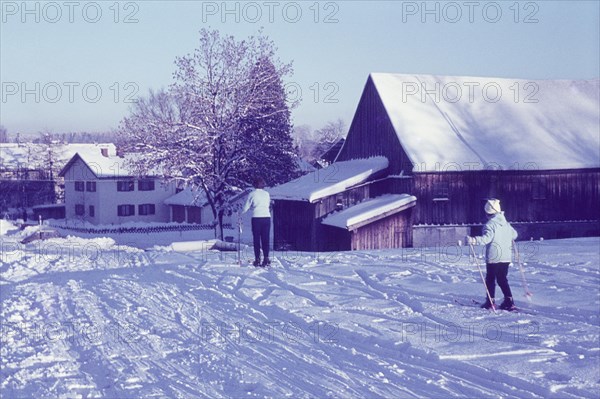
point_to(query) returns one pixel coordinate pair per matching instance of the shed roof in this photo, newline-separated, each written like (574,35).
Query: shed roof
(331,180)
(187,197)
(196,197)
(370,210)
(474,123)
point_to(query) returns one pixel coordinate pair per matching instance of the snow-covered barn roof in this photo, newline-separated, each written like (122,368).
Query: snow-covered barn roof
(334,179)
(370,211)
(481,123)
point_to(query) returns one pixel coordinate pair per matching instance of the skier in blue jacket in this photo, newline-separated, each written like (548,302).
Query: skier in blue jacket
(259,201)
(498,236)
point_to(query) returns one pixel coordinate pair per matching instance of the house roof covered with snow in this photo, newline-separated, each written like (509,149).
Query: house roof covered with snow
(187,197)
(103,167)
(34,155)
(370,210)
(482,123)
(332,180)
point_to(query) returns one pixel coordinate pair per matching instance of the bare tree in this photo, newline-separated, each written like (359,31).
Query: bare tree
(329,134)
(313,144)
(305,142)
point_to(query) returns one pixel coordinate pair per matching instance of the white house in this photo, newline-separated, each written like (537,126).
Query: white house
(102,190)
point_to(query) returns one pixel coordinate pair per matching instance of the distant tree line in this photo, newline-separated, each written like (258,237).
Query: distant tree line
(47,137)
(3,134)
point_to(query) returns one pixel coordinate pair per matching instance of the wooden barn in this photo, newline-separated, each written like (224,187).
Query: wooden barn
(301,205)
(452,143)
(367,224)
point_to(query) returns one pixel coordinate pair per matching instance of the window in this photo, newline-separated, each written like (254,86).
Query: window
(146,185)
(441,191)
(90,186)
(125,185)
(92,211)
(194,214)
(79,186)
(79,210)
(126,210)
(146,209)
(355,198)
(179,213)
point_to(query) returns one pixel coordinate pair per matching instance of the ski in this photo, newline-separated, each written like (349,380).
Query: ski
(514,309)
(472,304)
(274,264)
(476,304)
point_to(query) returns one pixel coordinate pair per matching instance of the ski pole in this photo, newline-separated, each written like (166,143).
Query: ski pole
(239,246)
(483,278)
(528,293)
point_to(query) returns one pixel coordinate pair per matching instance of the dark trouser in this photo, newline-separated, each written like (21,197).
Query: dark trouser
(497,272)
(261,227)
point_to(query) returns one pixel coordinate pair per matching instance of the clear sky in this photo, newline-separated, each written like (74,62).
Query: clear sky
(76,65)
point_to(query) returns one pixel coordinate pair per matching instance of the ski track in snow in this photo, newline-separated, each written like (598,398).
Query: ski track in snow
(124,323)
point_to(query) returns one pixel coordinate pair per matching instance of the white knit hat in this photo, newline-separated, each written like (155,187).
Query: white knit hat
(492,206)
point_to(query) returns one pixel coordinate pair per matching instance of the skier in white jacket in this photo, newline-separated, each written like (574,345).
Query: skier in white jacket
(498,236)
(259,201)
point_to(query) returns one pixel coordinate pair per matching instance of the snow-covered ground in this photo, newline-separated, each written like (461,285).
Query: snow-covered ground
(91,318)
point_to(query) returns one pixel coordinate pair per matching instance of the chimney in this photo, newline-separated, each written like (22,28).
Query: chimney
(104,152)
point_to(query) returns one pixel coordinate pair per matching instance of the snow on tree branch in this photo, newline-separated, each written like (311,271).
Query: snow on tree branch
(223,121)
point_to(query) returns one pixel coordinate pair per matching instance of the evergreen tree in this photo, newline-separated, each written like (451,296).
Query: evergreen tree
(269,148)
